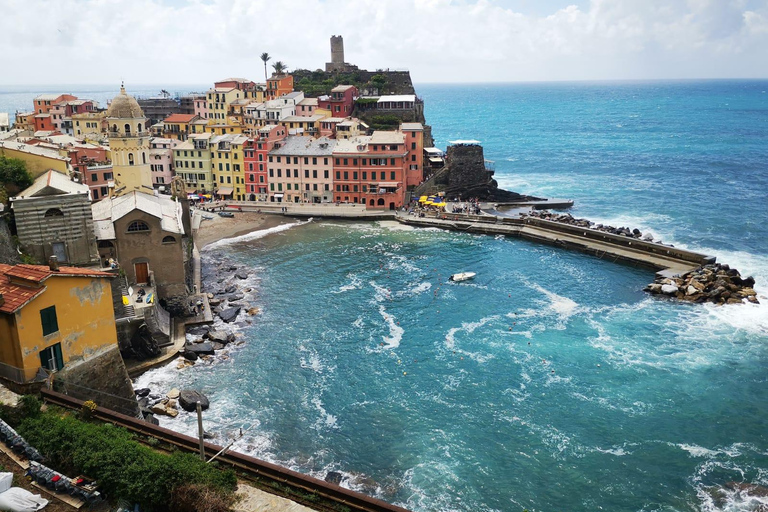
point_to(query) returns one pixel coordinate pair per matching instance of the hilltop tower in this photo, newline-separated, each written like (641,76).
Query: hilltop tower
(337,57)
(129,144)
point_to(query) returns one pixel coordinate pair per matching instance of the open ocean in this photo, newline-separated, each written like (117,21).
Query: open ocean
(551,382)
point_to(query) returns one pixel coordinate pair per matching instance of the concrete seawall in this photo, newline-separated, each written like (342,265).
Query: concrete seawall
(616,248)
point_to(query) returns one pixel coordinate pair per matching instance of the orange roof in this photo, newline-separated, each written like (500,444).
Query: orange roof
(179,118)
(16,296)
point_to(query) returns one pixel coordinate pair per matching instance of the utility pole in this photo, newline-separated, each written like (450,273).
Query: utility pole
(200,430)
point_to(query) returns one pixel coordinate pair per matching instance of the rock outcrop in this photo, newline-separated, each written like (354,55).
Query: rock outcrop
(717,283)
(465,176)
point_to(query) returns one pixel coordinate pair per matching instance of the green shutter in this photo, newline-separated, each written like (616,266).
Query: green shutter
(48,319)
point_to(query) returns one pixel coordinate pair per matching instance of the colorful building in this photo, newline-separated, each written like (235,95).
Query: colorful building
(161,161)
(256,152)
(192,162)
(177,126)
(340,102)
(51,316)
(44,103)
(300,170)
(414,144)
(306,107)
(227,165)
(90,126)
(279,85)
(39,159)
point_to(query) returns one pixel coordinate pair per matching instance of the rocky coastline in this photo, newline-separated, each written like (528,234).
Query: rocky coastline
(229,297)
(567,218)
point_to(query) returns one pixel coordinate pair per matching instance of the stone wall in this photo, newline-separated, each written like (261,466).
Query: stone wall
(102,378)
(8,254)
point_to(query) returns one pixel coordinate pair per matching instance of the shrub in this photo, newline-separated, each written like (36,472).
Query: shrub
(124,468)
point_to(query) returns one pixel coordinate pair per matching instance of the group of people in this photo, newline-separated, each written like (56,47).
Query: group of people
(472,206)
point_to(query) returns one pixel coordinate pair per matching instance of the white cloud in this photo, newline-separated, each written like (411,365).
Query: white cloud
(198,41)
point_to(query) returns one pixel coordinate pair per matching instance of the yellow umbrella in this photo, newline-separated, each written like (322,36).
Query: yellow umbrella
(423,199)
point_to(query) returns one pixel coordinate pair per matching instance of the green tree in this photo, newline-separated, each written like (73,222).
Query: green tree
(279,67)
(265,57)
(14,172)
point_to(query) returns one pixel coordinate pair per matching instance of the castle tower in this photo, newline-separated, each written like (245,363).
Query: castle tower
(129,145)
(337,50)
(337,55)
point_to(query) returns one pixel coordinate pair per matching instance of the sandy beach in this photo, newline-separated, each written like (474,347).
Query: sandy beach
(242,223)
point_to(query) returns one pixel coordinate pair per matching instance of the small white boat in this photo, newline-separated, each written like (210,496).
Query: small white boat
(462,276)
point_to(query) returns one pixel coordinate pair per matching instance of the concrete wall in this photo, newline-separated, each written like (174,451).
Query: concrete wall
(102,378)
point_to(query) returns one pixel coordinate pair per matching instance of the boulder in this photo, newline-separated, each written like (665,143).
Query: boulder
(669,289)
(199,330)
(173,394)
(229,314)
(141,392)
(158,408)
(230,289)
(214,302)
(231,297)
(253,311)
(188,399)
(188,355)
(143,403)
(150,418)
(217,346)
(691,290)
(241,274)
(334,477)
(171,412)
(200,349)
(219,336)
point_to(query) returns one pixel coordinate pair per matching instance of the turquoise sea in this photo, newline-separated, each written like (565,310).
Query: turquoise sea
(551,382)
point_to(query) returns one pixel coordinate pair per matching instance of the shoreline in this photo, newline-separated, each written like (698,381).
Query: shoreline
(242,223)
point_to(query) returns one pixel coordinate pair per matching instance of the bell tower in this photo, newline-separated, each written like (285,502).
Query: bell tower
(129,145)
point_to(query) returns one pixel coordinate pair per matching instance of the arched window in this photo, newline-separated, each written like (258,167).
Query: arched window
(105,244)
(137,226)
(138,128)
(114,128)
(143,157)
(54,212)
(127,129)
(169,240)
(381,202)
(130,158)
(372,203)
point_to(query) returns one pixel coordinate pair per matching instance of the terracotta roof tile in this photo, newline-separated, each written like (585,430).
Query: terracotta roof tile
(179,118)
(15,296)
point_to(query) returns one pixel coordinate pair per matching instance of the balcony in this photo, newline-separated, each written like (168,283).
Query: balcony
(131,135)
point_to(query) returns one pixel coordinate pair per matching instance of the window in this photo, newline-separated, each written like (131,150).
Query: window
(130,158)
(137,226)
(51,359)
(346,175)
(391,161)
(373,175)
(325,174)
(94,177)
(413,145)
(325,161)
(54,212)
(306,173)
(169,240)
(48,320)
(354,161)
(392,175)
(314,173)
(354,175)
(314,160)
(365,175)
(346,161)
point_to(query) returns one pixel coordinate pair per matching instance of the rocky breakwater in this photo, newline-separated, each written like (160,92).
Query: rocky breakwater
(717,283)
(567,218)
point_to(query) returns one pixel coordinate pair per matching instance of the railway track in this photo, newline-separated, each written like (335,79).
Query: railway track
(309,491)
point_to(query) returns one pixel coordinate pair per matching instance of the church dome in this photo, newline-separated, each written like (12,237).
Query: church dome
(124,106)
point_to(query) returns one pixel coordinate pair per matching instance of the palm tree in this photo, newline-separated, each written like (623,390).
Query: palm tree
(279,67)
(265,57)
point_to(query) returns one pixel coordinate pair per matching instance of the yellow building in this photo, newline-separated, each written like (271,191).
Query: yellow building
(51,316)
(192,162)
(129,144)
(227,165)
(220,101)
(39,159)
(89,126)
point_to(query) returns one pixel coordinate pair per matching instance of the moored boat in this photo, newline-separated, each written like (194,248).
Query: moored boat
(462,276)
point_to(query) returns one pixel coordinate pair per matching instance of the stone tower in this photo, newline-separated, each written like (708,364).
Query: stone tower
(129,145)
(337,50)
(337,55)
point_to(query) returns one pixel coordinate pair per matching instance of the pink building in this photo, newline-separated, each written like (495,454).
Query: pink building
(161,161)
(306,107)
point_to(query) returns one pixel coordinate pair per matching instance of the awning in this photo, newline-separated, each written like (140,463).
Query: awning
(279,195)
(225,191)
(388,184)
(436,160)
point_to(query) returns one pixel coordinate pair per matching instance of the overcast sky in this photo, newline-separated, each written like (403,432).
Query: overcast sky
(199,41)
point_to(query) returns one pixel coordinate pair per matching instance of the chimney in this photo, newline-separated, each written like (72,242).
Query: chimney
(53,263)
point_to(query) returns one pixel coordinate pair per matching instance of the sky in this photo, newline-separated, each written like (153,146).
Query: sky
(439,41)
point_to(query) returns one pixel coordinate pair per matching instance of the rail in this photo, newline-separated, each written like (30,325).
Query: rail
(353,501)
